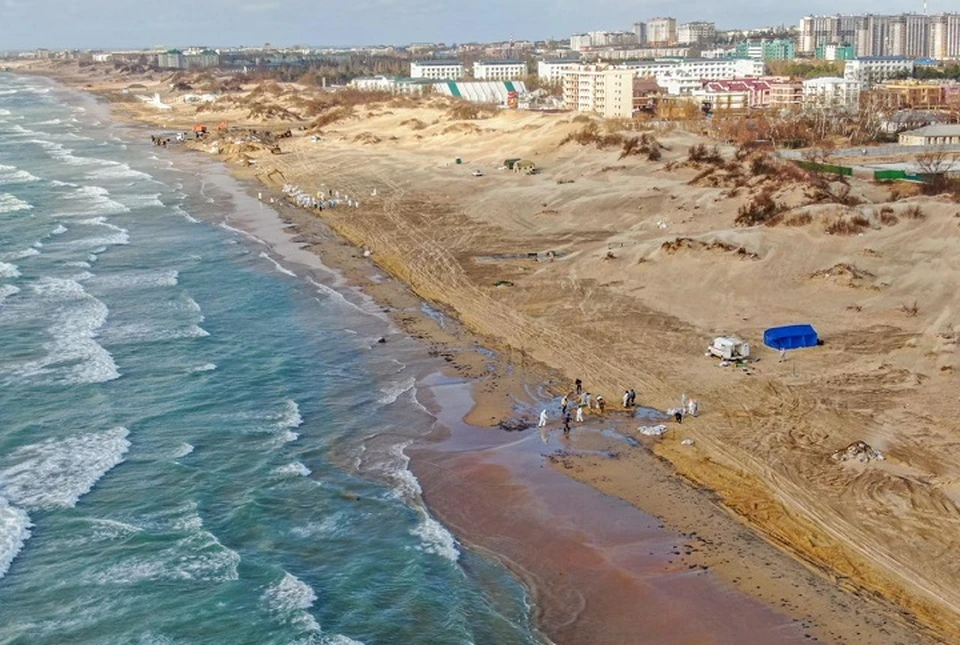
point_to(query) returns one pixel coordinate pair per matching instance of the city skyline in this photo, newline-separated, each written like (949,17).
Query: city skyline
(27,24)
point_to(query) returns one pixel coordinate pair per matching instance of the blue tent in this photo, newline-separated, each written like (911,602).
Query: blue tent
(791,337)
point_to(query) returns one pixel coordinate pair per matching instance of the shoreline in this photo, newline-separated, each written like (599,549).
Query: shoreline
(442,338)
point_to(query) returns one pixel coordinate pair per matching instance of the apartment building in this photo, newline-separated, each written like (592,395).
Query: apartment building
(590,40)
(552,71)
(785,94)
(607,92)
(767,49)
(662,31)
(707,69)
(695,33)
(640,33)
(910,35)
(436,69)
(499,70)
(831,92)
(874,69)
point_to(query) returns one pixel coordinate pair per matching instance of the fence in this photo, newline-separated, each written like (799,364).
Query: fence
(825,167)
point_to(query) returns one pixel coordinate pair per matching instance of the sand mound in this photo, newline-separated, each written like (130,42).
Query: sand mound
(857,451)
(367,138)
(681,244)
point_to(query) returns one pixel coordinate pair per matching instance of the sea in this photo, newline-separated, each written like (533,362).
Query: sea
(198,442)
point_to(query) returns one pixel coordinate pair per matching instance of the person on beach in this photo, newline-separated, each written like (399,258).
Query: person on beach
(564,402)
(579,414)
(579,385)
(566,423)
(543,419)
(678,415)
(626,398)
(589,402)
(633,397)
(601,403)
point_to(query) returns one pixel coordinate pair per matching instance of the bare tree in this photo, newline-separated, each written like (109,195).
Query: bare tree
(936,161)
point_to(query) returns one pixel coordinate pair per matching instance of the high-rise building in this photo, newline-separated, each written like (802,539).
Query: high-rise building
(696,33)
(640,32)
(662,31)
(910,35)
(607,92)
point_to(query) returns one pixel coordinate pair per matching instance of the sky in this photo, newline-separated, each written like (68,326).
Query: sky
(27,24)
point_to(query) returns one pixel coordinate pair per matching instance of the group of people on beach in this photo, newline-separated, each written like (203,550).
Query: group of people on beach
(573,404)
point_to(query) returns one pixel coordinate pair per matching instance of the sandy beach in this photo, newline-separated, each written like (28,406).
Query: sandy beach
(648,264)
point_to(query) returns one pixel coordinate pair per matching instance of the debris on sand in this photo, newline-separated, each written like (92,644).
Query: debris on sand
(514,425)
(858,451)
(652,431)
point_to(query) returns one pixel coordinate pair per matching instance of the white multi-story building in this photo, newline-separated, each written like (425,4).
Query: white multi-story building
(873,69)
(607,92)
(499,70)
(707,69)
(909,34)
(581,42)
(374,83)
(436,69)
(552,71)
(696,32)
(662,31)
(831,92)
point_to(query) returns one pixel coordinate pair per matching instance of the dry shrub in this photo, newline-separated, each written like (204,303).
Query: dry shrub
(759,210)
(581,118)
(852,226)
(887,217)
(590,134)
(466,111)
(800,219)
(415,124)
(332,116)
(654,154)
(910,310)
(701,153)
(644,144)
(914,212)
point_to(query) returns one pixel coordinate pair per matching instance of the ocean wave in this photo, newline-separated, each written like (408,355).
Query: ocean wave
(135,333)
(14,175)
(138,279)
(292,469)
(393,392)
(434,537)
(288,419)
(182,451)
(73,356)
(118,171)
(328,527)
(56,473)
(119,238)
(146,200)
(340,639)
(19,255)
(197,557)
(206,367)
(187,216)
(95,200)
(11,204)
(289,599)
(14,531)
(277,265)
(59,230)
(7,290)
(8,270)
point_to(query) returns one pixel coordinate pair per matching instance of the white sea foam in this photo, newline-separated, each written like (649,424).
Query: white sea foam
(328,527)
(59,230)
(19,255)
(150,200)
(279,267)
(103,529)
(73,356)
(58,472)
(93,200)
(187,216)
(393,391)
(8,270)
(340,639)
(250,236)
(206,367)
(289,599)
(295,468)
(119,237)
(138,279)
(289,418)
(434,538)
(118,171)
(11,204)
(146,332)
(182,451)
(7,290)
(14,531)
(199,556)
(14,175)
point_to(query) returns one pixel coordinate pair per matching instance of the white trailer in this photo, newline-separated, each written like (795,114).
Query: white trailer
(729,348)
